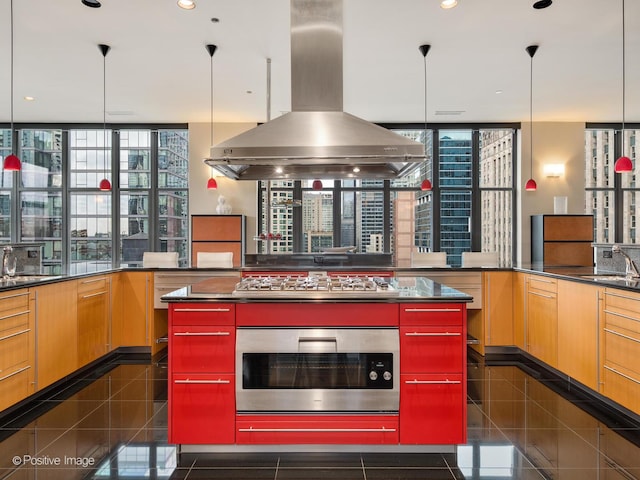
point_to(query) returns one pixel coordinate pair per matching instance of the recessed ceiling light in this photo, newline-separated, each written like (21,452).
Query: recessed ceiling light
(448,3)
(187,4)
(92,3)
(29,98)
(279,170)
(356,169)
(542,4)
(498,92)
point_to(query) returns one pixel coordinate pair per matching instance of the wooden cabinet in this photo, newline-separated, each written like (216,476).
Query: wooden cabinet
(562,240)
(519,309)
(578,316)
(542,319)
(17,346)
(202,373)
(132,321)
(620,346)
(218,233)
(433,373)
(57,347)
(94,308)
(497,311)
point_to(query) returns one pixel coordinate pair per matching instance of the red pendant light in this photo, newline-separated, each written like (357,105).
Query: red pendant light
(105,184)
(211,183)
(317,185)
(424,49)
(624,163)
(12,162)
(531,185)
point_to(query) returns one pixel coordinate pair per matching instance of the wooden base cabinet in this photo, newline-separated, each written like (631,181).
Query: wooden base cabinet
(94,308)
(542,319)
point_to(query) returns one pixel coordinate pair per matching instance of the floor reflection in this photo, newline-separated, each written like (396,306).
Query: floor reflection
(522,424)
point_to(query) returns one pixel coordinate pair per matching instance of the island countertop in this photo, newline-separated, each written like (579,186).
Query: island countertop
(404,289)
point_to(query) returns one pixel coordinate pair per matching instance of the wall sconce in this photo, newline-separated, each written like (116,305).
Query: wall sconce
(553,170)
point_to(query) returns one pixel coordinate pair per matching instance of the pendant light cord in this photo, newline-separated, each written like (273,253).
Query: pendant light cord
(104,110)
(425,103)
(211,100)
(13,143)
(531,116)
(624,82)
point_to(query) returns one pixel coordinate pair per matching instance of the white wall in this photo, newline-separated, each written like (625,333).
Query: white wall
(554,142)
(241,195)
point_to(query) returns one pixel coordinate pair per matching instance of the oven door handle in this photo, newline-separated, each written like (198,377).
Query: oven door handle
(203,382)
(432,382)
(303,430)
(317,344)
(431,334)
(201,334)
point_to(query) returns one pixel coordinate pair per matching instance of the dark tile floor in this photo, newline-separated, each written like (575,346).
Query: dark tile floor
(113,425)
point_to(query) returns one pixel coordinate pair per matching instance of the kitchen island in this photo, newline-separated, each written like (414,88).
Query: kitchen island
(317,363)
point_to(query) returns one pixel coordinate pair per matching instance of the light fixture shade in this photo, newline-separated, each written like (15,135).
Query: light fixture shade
(425,185)
(531,185)
(212,184)
(623,164)
(317,185)
(446,4)
(105,185)
(187,4)
(12,163)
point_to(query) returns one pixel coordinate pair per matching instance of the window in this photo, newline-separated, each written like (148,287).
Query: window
(58,184)
(469,208)
(611,198)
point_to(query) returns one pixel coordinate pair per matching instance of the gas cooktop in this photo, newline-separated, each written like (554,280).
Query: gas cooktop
(314,286)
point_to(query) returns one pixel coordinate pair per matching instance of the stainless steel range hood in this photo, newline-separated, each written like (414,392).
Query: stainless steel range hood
(316,139)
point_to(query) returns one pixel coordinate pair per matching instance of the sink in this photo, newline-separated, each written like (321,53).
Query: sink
(611,278)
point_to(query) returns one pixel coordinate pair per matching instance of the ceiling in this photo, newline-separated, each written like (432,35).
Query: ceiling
(158,69)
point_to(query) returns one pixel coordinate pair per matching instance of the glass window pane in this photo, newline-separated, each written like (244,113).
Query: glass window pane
(90,237)
(599,161)
(497,228)
(631,201)
(173,226)
(370,229)
(496,162)
(455,221)
(317,219)
(134,227)
(173,158)
(600,204)
(415,178)
(6,178)
(41,158)
(41,215)
(455,158)
(629,180)
(90,161)
(5,216)
(135,163)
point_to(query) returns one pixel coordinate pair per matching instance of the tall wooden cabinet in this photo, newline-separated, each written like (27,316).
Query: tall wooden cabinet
(218,233)
(562,240)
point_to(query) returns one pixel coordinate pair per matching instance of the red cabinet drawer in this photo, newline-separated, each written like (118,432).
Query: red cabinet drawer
(201,349)
(432,313)
(202,409)
(318,314)
(317,429)
(202,314)
(432,409)
(430,349)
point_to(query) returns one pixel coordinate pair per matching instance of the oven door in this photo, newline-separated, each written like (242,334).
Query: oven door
(317,370)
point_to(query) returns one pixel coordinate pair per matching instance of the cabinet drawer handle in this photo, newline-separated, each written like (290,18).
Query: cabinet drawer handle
(626,297)
(628,317)
(425,334)
(202,310)
(94,295)
(202,382)
(418,310)
(613,332)
(15,373)
(541,280)
(14,296)
(86,282)
(15,334)
(303,430)
(432,382)
(24,312)
(614,371)
(201,334)
(541,295)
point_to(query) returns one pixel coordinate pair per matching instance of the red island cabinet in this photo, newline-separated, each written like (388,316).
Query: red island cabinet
(433,391)
(201,372)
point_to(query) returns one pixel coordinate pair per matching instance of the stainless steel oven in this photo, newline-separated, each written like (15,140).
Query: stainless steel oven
(317,370)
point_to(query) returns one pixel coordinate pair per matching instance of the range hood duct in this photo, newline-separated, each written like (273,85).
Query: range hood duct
(316,140)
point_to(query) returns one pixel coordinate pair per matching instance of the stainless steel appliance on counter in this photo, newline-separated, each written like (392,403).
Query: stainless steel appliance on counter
(305,370)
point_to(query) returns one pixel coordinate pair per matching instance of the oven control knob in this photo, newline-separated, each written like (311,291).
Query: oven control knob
(373,375)
(386,375)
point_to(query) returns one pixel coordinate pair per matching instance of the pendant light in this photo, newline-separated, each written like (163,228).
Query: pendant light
(531,185)
(12,162)
(105,184)
(424,49)
(317,185)
(623,164)
(211,183)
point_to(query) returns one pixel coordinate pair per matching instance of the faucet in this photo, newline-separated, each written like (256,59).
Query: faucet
(6,251)
(630,267)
